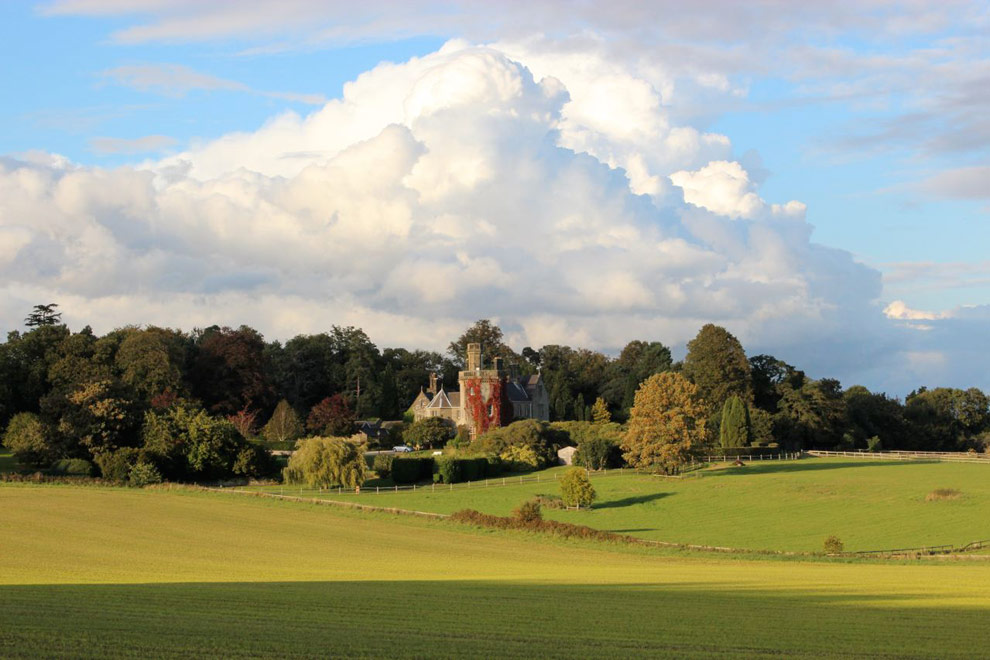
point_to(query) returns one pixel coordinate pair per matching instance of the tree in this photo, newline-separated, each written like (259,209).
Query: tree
(576,489)
(734,429)
(43,315)
(332,417)
(638,361)
(487,334)
(229,370)
(600,413)
(327,463)
(245,421)
(428,433)
(152,360)
(284,425)
(666,421)
(717,364)
(811,416)
(25,437)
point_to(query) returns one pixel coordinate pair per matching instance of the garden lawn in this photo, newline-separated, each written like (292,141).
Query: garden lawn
(772,505)
(93,572)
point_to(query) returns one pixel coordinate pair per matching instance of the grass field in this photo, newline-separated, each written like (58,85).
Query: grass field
(98,572)
(778,505)
(7,461)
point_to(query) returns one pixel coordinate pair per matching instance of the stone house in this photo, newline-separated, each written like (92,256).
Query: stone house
(485,398)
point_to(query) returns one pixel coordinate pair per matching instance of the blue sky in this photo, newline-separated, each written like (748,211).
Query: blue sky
(874,116)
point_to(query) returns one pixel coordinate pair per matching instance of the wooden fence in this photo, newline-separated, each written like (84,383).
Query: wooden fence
(948,457)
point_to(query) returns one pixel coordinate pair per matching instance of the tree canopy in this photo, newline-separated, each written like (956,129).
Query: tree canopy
(667,421)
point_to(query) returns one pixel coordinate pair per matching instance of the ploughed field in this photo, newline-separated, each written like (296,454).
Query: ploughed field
(115,572)
(767,505)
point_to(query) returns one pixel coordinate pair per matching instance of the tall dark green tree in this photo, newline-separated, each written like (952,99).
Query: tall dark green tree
(717,364)
(733,431)
(638,361)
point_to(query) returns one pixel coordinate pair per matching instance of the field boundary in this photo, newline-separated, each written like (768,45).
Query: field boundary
(935,551)
(893,455)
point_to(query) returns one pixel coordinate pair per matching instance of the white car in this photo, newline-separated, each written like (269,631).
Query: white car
(401,449)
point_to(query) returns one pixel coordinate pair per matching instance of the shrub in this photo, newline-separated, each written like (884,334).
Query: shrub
(382,465)
(521,458)
(408,470)
(474,469)
(576,489)
(144,474)
(448,470)
(253,461)
(874,444)
(538,437)
(73,467)
(833,545)
(528,511)
(943,494)
(115,466)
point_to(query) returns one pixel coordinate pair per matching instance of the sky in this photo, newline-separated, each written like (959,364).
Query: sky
(812,176)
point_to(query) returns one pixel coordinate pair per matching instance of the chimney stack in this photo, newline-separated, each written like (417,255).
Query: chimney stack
(433,382)
(473,357)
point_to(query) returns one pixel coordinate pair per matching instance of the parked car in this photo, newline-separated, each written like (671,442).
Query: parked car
(401,449)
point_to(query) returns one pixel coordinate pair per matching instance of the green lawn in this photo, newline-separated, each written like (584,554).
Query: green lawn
(7,461)
(778,505)
(91,572)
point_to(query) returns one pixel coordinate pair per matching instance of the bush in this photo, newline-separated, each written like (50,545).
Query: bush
(534,442)
(874,444)
(382,465)
(448,470)
(409,470)
(521,458)
(943,494)
(452,470)
(73,467)
(528,511)
(576,489)
(833,545)
(115,466)
(143,474)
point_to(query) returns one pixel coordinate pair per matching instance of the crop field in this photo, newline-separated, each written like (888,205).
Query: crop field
(772,505)
(96,572)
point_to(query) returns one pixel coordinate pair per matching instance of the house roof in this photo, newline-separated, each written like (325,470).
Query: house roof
(441,400)
(516,392)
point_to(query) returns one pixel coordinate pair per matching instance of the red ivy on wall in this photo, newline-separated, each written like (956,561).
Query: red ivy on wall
(485,414)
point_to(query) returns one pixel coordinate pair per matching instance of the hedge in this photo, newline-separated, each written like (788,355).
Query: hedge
(452,470)
(409,470)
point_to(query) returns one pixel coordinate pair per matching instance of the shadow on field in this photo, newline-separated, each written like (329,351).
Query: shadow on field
(803,465)
(474,618)
(630,501)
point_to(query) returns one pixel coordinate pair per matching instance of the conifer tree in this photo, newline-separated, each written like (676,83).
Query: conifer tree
(600,413)
(734,428)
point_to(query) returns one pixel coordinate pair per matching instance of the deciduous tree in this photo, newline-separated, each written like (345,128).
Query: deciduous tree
(576,489)
(667,420)
(284,425)
(327,463)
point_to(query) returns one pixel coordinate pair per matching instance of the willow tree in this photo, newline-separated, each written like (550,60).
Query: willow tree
(327,463)
(666,422)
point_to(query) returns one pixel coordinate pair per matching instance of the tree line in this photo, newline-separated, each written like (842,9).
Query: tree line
(187,403)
